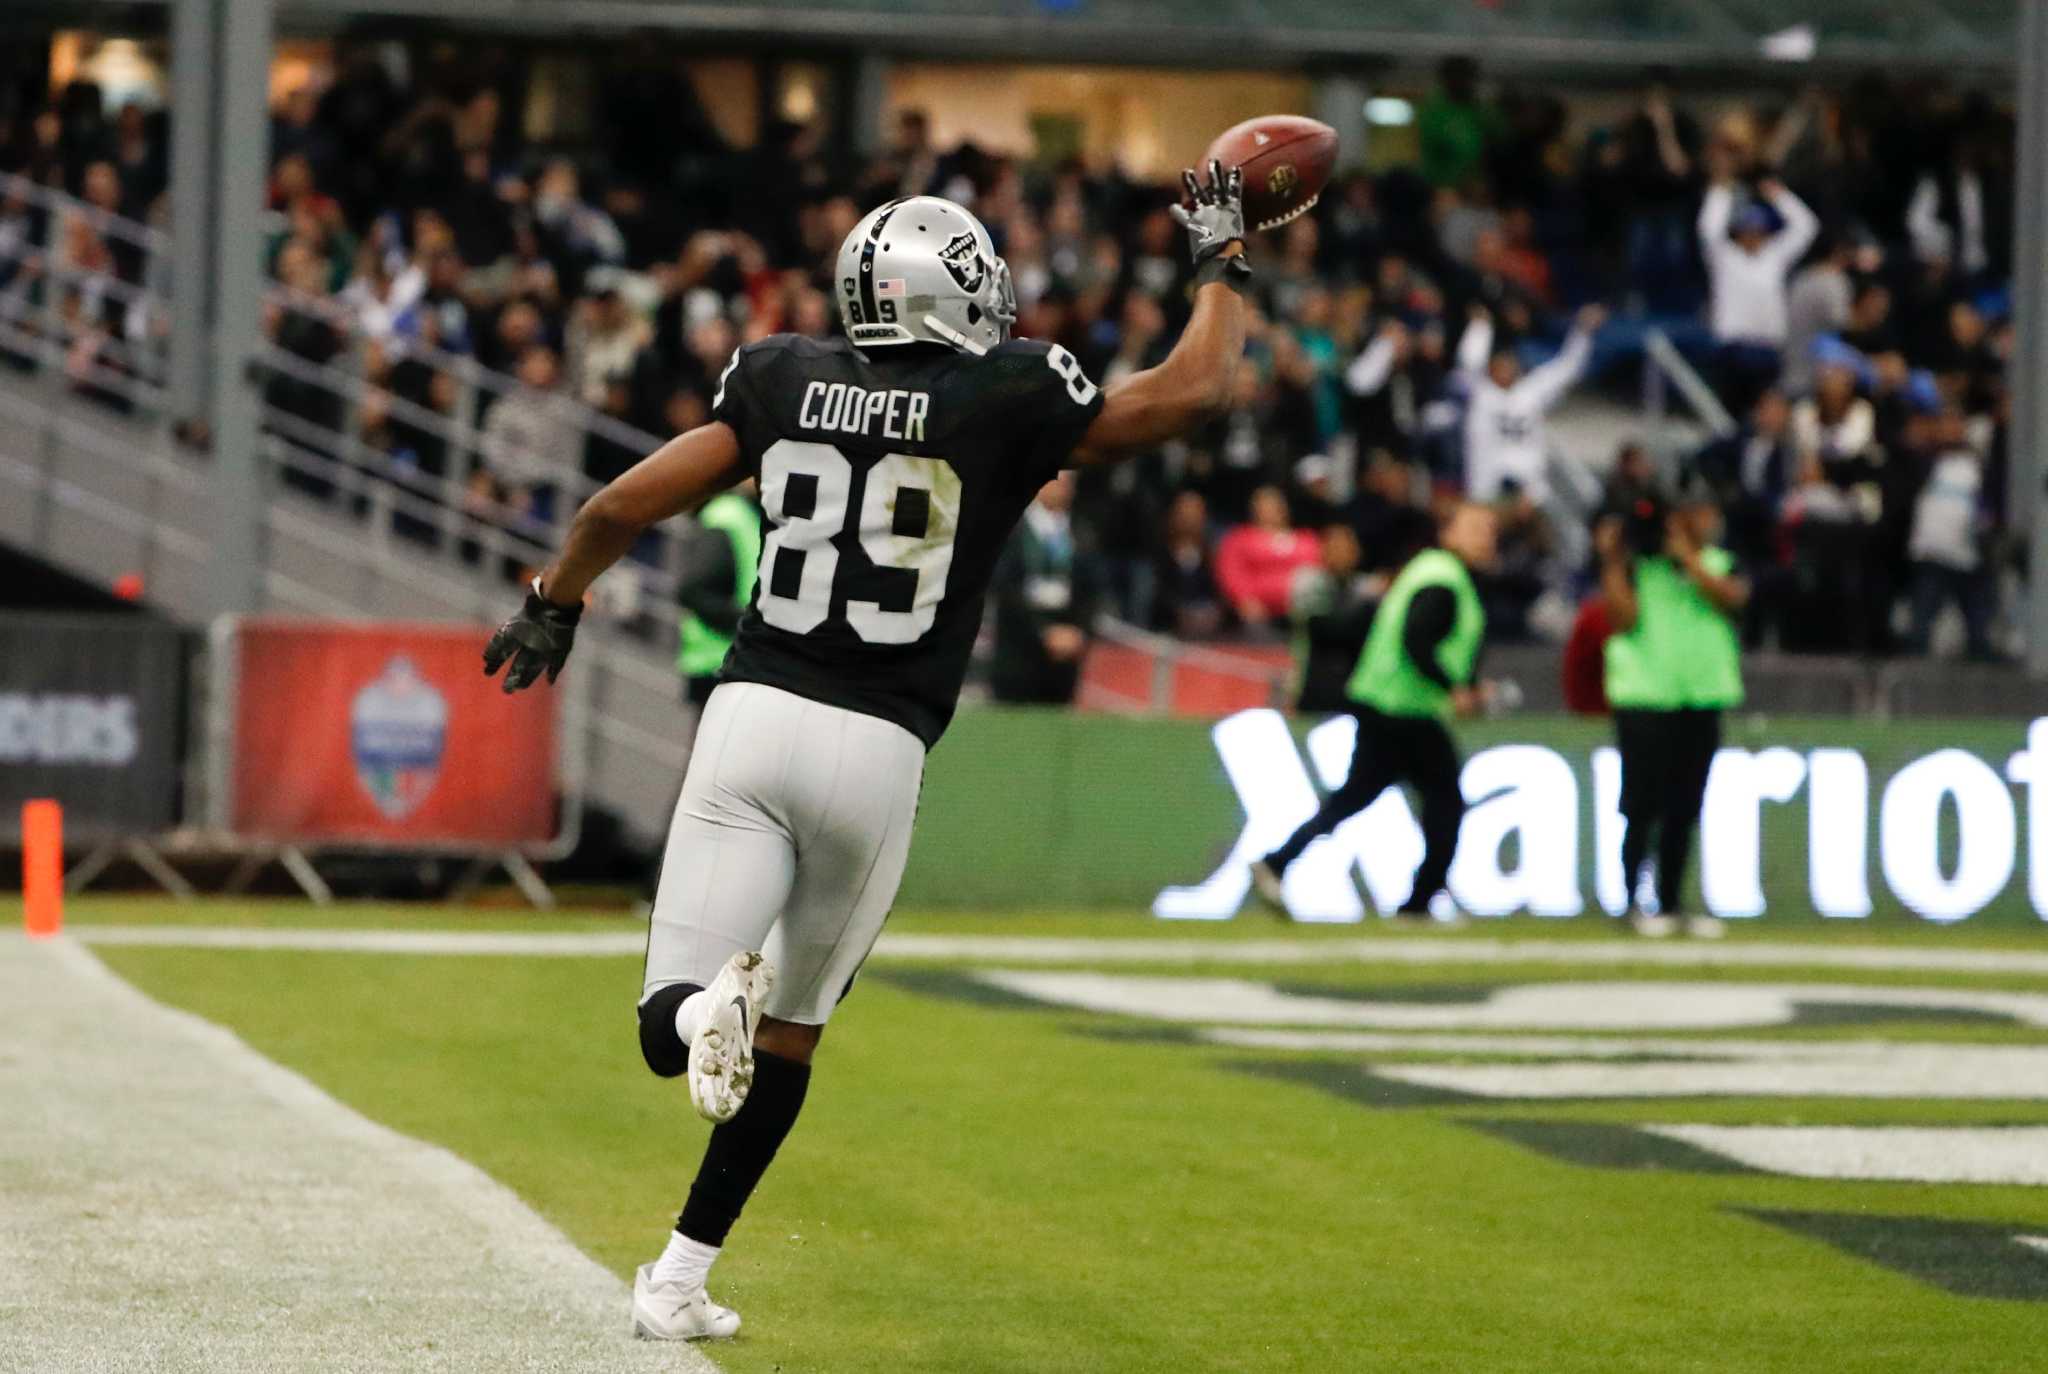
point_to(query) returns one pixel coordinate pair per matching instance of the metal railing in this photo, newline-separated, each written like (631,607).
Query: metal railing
(378,515)
(1670,368)
(100,476)
(1674,367)
(95,323)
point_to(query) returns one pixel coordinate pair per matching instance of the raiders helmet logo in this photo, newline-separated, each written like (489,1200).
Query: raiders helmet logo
(963,260)
(1282,179)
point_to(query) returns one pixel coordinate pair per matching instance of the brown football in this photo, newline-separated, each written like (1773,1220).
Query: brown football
(1286,159)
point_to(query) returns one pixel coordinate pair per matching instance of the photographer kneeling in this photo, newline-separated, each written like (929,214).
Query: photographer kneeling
(1673,666)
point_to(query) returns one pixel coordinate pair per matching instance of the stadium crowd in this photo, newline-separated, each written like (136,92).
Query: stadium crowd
(1836,264)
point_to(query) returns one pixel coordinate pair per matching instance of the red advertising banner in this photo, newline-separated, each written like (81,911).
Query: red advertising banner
(384,734)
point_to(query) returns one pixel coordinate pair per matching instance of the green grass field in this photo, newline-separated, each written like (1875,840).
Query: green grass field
(989,1178)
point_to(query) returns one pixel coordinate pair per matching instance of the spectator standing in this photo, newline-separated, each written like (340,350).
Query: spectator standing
(1392,526)
(1747,263)
(1314,367)
(305,326)
(1839,506)
(1871,330)
(141,159)
(531,438)
(1187,603)
(1834,435)
(1391,381)
(1505,438)
(385,299)
(1656,170)
(606,336)
(1963,212)
(1750,471)
(1044,590)
(576,235)
(1122,504)
(1947,545)
(1256,562)
(1820,302)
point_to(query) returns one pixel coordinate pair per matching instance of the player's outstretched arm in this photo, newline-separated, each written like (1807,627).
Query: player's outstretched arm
(1193,384)
(679,476)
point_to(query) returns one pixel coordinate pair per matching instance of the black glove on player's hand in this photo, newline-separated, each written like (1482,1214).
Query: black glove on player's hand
(538,638)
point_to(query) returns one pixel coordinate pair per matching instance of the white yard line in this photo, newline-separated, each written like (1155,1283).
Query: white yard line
(171,1200)
(1559,1046)
(1932,1072)
(1125,950)
(1556,1006)
(1913,1154)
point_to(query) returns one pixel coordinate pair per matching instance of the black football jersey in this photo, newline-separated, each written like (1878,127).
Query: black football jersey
(889,484)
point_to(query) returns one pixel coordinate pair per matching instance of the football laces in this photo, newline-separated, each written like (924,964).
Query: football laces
(1296,213)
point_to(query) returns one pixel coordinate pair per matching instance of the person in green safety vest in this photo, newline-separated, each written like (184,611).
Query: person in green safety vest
(716,587)
(1674,664)
(1419,669)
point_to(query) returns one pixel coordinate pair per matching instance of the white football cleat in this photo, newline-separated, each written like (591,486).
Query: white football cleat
(722,1055)
(1654,927)
(1267,882)
(1706,927)
(670,1312)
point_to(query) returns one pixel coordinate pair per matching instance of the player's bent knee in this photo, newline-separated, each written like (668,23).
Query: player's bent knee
(789,1039)
(660,1046)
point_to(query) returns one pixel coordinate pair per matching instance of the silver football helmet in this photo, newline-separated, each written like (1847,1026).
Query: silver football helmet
(923,270)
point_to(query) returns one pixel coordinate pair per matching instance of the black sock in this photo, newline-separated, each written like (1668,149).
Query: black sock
(660,1046)
(741,1149)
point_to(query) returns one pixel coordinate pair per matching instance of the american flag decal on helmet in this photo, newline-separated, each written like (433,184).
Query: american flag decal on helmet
(891,286)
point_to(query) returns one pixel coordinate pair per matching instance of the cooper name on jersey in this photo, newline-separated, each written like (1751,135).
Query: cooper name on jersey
(843,408)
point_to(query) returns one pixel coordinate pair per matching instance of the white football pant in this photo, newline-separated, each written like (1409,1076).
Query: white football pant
(790,838)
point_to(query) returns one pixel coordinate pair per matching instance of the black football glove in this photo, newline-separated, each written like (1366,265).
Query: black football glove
(1214,214)
(538,638)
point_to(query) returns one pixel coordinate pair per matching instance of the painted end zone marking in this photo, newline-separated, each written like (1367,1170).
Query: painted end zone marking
(1911,1154)
(172,1200)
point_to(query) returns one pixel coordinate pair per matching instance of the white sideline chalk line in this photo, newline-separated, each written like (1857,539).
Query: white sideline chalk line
(1125,950)
(172,1200)
(534,944)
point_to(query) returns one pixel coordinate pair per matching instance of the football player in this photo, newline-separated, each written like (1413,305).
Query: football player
(892,464)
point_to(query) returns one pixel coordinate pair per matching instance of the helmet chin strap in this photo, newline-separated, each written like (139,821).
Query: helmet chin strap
(953,336)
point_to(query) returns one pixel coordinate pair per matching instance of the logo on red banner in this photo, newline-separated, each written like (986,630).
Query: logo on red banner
(398,729)
(385,734)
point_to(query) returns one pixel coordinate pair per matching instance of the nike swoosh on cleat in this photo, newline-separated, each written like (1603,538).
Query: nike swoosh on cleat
(746,1019)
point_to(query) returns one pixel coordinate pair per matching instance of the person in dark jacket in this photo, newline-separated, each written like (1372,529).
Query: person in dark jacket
(1749,472)
(1332,608)
(1045,591)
